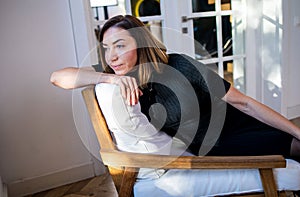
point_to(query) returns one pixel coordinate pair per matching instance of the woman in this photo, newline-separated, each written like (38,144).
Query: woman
(197,103)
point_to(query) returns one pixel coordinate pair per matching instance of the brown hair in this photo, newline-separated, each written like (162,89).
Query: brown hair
(150,51)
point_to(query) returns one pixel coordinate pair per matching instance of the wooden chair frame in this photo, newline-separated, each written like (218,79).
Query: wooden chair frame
(124,166)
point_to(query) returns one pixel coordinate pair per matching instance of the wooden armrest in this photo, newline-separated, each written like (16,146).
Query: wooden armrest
(138,160)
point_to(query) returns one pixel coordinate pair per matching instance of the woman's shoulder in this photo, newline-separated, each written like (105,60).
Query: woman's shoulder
(183,62)
(179,58)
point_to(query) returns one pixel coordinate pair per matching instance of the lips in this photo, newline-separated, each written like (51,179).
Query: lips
(116,67)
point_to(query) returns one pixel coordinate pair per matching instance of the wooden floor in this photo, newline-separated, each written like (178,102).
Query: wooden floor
(101,186)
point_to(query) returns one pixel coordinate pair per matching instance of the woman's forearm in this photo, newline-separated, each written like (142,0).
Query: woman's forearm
(71,77)
(261,112)
(272,118)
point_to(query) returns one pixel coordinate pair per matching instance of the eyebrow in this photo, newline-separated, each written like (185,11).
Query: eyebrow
(121,39)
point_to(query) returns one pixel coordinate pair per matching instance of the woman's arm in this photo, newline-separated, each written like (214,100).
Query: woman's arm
(260,111)
(72,77)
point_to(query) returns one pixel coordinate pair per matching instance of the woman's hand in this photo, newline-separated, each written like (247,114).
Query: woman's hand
(129,88)
(71,78)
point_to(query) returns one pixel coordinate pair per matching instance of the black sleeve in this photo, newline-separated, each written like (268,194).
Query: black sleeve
(97,67)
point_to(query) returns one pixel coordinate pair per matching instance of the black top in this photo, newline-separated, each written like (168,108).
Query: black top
(185,101)
(189,92)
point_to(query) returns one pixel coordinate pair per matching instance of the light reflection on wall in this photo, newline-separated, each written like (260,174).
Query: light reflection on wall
(271,53)
(238,37)
(264,25)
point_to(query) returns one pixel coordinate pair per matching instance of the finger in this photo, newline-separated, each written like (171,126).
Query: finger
(127,90)
(128,96)
(133,98)
(140,92)
(133,88)
(123,90)
(137,92)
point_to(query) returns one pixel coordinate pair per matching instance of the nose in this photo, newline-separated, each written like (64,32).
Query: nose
(111,55)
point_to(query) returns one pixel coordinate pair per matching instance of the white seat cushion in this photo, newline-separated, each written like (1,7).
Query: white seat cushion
(215,182)
(133,133)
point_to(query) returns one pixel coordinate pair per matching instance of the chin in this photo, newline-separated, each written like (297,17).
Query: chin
(120,73)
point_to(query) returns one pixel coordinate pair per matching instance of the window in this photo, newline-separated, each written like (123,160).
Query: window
(218,30)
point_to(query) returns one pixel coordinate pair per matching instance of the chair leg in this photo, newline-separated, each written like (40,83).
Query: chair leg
(116,175)
(129,177)
(268,182)
(282,194)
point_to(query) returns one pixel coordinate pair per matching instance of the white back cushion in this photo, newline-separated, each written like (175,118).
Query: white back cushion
(130,127)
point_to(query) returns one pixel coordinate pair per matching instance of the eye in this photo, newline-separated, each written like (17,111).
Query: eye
(119,46)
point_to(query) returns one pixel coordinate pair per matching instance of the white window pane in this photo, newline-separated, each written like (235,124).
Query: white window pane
(100,3)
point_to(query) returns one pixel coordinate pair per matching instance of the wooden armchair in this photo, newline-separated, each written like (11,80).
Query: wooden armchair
(123,166)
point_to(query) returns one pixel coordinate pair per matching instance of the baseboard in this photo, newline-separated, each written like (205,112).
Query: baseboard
(293,112)
(3,189)
(51,180)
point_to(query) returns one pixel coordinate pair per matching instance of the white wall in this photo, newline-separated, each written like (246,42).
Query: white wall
(39,144)
(263,51)
(272,64)
(270,53)
(291,65)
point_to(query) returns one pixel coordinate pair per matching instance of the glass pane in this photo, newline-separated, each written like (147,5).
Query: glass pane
(145,7)
(98,3)
(227,35)
(209,5)
(225,4)
(101,13)
(238,36)
(228,71)
(203,5)
(205,36)
(239,80)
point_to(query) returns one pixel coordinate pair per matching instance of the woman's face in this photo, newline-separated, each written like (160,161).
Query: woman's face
(120,50)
